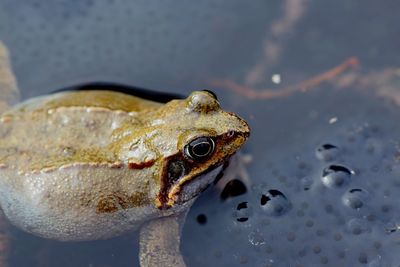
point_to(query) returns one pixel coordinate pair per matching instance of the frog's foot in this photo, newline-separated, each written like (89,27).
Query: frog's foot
(9,93)
(160,240)
(4,240)
(307,85)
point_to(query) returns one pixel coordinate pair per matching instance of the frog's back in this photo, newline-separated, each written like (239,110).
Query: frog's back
(58,165)
(67,127)
(94,99)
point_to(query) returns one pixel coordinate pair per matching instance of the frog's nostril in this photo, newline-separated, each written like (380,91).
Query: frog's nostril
(230,134)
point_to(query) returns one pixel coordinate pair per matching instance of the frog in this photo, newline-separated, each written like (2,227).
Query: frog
(90,165)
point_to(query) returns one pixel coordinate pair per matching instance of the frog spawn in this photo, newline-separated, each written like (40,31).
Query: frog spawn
(337,208)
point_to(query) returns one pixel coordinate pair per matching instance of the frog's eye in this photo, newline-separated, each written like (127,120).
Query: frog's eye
(203,102)
(200,148)
(211,93)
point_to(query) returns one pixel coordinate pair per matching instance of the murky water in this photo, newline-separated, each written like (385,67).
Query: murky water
(323,188)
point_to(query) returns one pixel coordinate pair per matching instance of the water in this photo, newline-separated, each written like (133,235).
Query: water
(331,153)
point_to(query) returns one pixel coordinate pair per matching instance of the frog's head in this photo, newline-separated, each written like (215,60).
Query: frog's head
(207,137)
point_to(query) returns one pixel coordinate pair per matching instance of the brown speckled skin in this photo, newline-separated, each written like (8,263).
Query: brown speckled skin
(88,165)
(66,167)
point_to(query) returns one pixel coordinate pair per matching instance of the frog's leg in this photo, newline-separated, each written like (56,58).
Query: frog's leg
(160,240)
(9,93)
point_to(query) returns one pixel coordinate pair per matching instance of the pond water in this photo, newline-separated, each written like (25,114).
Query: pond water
(323,187)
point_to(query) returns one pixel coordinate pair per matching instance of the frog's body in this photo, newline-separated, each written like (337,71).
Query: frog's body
(89,165)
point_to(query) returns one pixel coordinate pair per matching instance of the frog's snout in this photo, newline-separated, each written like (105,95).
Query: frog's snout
(240,125)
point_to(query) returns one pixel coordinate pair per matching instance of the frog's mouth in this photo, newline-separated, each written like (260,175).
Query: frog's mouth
(187,189)
(194,187)
(184,179)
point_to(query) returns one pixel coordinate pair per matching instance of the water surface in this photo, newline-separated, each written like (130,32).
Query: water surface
(324,176)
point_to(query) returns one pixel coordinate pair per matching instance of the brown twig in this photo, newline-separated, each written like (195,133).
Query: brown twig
(307,85)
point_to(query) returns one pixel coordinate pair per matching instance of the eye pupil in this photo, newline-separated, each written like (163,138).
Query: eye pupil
(200,148)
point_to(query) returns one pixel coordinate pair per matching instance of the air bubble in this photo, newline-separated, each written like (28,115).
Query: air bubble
(355,198)
(275,203)
(242,205)
(391,227)
(327,152)
(242,212)
(336,176)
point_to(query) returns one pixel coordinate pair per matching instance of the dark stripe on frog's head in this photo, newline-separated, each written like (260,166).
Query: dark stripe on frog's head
(157,96)
(141,165)
(170,175)
(165,201)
